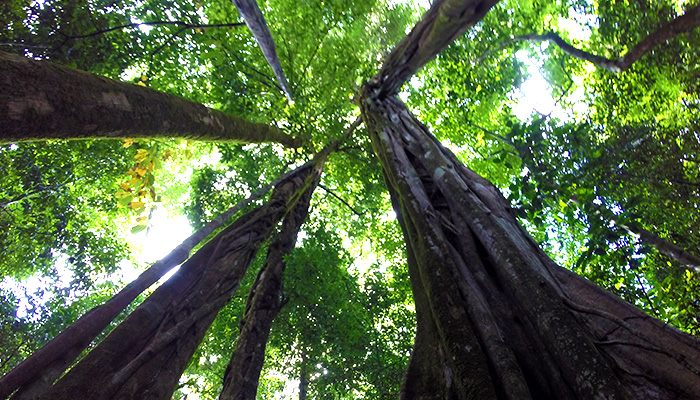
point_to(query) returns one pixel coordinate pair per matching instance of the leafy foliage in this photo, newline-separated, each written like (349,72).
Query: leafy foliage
(621,149)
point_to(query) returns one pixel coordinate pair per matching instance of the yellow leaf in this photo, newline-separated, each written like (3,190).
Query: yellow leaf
(141,84)
(141,155)
(140,219)
(125,186)
(141,171)
(135,205)
(167,154)
(197,30)
(150,166)
(120,193)
(134,180)
(131,172)
(128,142)
(144,77)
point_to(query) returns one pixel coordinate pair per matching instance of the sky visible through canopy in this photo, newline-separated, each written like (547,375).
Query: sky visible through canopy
(167,229)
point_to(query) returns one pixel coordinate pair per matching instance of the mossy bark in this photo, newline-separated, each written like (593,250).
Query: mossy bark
(441,24)
(40,100)
(496,317)
(145,355)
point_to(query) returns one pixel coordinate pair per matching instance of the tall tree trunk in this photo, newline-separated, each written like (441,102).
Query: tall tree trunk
(265,301)
(48,363)
(145,355)
(40,100)
(255,21)
(496,317)
(441,24)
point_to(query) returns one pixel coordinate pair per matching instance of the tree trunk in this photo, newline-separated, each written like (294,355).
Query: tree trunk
(51,361)
(303,377)
(441,24)
(265,301)
(255,21)
(41,100)
(496,317)
(145,355)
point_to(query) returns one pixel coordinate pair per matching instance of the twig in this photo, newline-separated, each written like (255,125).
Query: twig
(646,294)
(340,199)
(271,84)
(183,24)
(496,136)
(170,39)
(313,55)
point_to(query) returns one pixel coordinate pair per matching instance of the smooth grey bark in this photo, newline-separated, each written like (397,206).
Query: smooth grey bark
(255,21)
(40,100)
(496,317)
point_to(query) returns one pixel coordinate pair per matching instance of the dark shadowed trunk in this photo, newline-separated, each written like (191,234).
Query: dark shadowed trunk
(303,377)
(145,355)
(265,301)
(52,360)
(40,100)
(496,317)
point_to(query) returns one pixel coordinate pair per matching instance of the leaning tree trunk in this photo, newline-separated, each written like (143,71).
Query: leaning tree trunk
(45,365)
(265,301)
(40,100)
(496,317)
(145,355)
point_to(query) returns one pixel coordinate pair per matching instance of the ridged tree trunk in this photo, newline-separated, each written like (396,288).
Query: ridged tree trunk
(145,355)
(40,100)
(45,365)
(498,319)
(265,301)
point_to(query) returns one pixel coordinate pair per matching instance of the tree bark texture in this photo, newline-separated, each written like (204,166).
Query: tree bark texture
(496,317)
(265,301)
(441,24)
(46,364)
(255,21)
(41,100)
(145,355)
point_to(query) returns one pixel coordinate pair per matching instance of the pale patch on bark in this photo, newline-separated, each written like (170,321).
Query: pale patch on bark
(117,100)
(36,102)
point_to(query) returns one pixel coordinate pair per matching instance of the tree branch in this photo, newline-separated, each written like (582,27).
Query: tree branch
(73,340)
(340,199)
(684,23)
(74,104)
(182,24)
